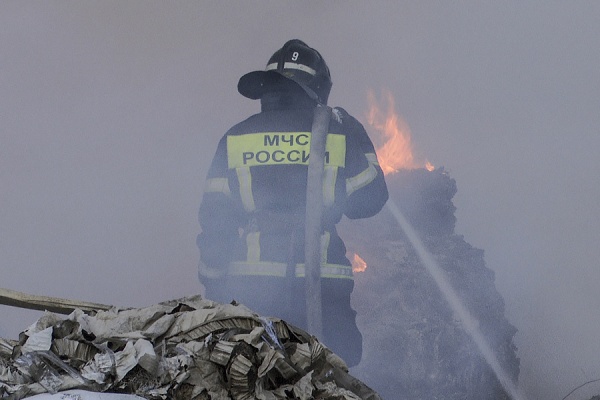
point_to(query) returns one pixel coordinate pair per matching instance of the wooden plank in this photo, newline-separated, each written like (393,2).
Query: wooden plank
(44,303)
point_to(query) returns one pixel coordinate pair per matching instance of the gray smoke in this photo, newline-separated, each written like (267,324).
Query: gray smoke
(110,113)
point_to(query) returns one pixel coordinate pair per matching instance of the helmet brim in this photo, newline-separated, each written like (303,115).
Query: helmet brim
(255,84)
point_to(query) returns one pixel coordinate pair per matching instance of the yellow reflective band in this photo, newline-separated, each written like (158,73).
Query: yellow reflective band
(329,179)
(253,244)
(372,158)
(217,185)
(238,268)
(277,148)
(274,269)
(325,238)
(245,180)
(361,180)
(328,271)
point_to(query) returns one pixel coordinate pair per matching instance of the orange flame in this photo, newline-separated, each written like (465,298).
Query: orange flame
(358,264)
(396,152)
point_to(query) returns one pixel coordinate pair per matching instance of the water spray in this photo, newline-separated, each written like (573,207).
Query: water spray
(469,322)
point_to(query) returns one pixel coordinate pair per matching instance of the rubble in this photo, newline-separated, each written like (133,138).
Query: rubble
(189,348)
(406,322)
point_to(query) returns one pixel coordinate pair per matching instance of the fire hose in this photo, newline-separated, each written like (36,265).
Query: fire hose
(314,217)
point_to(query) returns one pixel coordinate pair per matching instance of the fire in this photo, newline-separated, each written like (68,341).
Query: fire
(358,264)
(396,151)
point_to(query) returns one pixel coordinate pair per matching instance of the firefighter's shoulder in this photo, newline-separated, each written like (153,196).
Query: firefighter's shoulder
(344,117)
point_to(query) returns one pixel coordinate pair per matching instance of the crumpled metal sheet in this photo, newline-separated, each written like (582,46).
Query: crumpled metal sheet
(38,341)
(188,348)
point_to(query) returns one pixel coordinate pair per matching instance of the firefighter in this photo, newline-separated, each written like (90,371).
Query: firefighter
(253,208)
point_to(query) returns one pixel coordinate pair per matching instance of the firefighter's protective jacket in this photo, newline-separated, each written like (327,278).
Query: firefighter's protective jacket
(252,212)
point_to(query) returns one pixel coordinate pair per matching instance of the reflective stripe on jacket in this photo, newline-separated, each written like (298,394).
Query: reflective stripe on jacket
(252,212)
(280,270)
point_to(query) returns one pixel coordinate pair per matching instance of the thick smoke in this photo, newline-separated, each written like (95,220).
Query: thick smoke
(111,112)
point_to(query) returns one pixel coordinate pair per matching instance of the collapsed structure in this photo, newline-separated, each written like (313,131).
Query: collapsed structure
(190,348)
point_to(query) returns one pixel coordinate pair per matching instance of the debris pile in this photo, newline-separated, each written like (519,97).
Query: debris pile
(406,322)
(189,348)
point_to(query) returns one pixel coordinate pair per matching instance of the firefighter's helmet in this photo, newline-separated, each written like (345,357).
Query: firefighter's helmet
(295,61)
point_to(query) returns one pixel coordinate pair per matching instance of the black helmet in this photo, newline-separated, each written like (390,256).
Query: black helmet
(295,61)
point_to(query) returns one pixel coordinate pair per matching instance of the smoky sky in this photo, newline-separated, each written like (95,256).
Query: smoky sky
(111,111)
